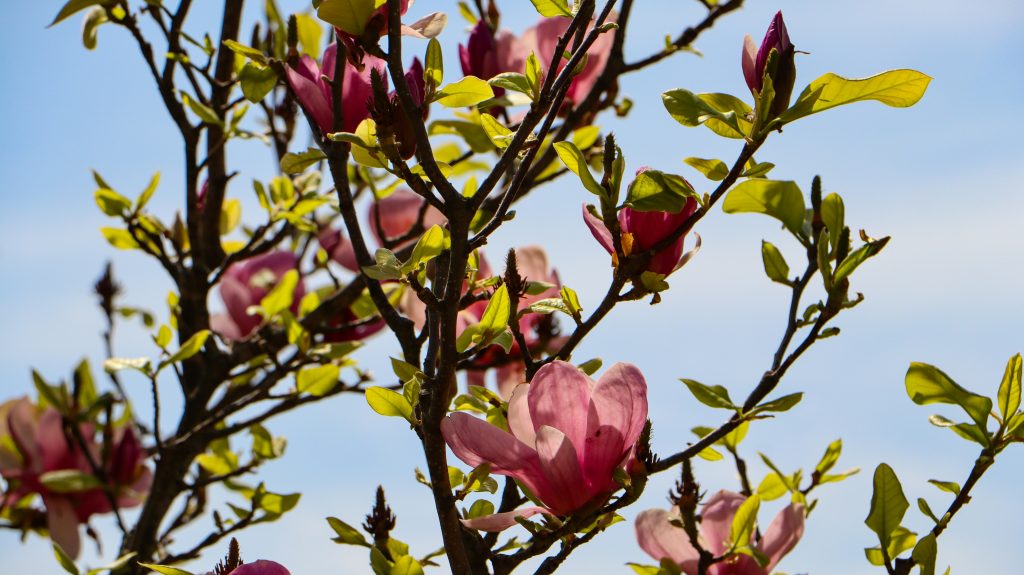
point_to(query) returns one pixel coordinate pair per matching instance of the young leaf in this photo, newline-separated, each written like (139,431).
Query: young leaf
(351,16)
(928,384)
(714,170)
(574,159)
(710,395)
(347,534)
(281,297)
(896,88)
(781,200)
(317,380)
(74,6)
(775,265)
(468,91)
(859,256)
(164,569)
(433,70)
(924,554)
(389,403)
(833,214)
(829,459)
(888,504)
(655,191)
(428,247)
(1009,388)
(189,348)
(742,527)
(549,8)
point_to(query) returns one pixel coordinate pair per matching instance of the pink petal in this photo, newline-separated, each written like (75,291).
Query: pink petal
(511,53)
(749,69)
(519,421)
(509,376)
(475,441)
(22,425)
(620,400)
(600,231)
(561,466)
(502,521)
(261,567)
(309,91)
(227,329)
(329,61)
(597,58)
(237,299)
(716,519)
(662,540)
(560,398)
(783,534)
(53,446)
(63,524)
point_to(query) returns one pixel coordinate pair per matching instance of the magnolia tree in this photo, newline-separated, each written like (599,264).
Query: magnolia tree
(380,228)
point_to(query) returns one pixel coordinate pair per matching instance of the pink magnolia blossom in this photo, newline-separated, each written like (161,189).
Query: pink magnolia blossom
(399,212)
(662,540)
(646,229)
(755,62)
(33,443)
(261,567)
(245,284)
(487,54)
(568,437)
(542,39)
(315,96)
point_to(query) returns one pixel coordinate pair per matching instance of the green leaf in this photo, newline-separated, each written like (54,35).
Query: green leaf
(468,91)
(574,159)
(281,297)
(784,403)
(309,34)
(718,111)
(947,486)
(189,348)
(115,364)
(549,8)
(714,170)
(74,6)
(710,395)
(493,322)
(243,50)
(164,569)
(379,563)
(387,268)
(922,505)
(896,88)
(112,203)
(859,256)
(350,16)
(781,200)
(513,81)
(66,562)
(319,380)
(928,384)
(571,301)
(833,214)
(771,487)
(347,535)
(115,565)
(406,565)
(430,245)
(69,481)
(1009,388)
(433,69)
(535,75)
(257,81)
(499,135)
(775,265)
(655,191)
(924,554)
(742,527)
(591,366)
(829,459)
(119,238)
(389,403)
(297,163)
(143,199)
(902,539)
(204,112)
(888,504)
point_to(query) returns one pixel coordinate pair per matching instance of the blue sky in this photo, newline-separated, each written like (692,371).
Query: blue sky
(943,178)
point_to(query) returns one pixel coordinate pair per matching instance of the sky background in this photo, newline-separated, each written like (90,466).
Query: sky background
(943,178)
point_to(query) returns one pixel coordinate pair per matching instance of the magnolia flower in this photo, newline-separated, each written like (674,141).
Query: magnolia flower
(660,539)
(755,62)
(314,93)
(33,443)
(642,230)
(543,38)
(399,212)
(568,437)
(532,263)
(261,567)
(245,284)
(487,54)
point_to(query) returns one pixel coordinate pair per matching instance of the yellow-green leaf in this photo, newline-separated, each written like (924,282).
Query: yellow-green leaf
(389,403)
(318,380)
(781,200)
(468,91)
(896,88)
(574,159)
(350,16)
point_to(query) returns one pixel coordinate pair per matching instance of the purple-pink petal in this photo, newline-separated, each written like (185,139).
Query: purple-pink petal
(783,534)
(261,567)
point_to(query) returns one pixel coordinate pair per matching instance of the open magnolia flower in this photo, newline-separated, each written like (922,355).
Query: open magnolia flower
(34,449)
(568,436)
(542,40)
(662,540)
(245,284)
(307,81)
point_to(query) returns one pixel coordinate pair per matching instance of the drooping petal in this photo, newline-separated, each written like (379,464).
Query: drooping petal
(749,65)
(662,540)
(716,519)
(475,441)
(502,521)
(558,458)
(560,398)
(519,421)
(783,534)
(63,524)
(261,567)
(600,231)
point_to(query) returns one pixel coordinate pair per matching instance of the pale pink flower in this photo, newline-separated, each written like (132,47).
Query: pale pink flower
(568,435)
(40,446)
(542,39)
(660,539)
(245,284)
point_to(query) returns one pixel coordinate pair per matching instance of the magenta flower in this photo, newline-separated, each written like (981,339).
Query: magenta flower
(245,284)
(33,443)
(261,567)
(646,229)
(755,62)
(568,436)
(660,539)
(487,54)
(542,39)
(315,96)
